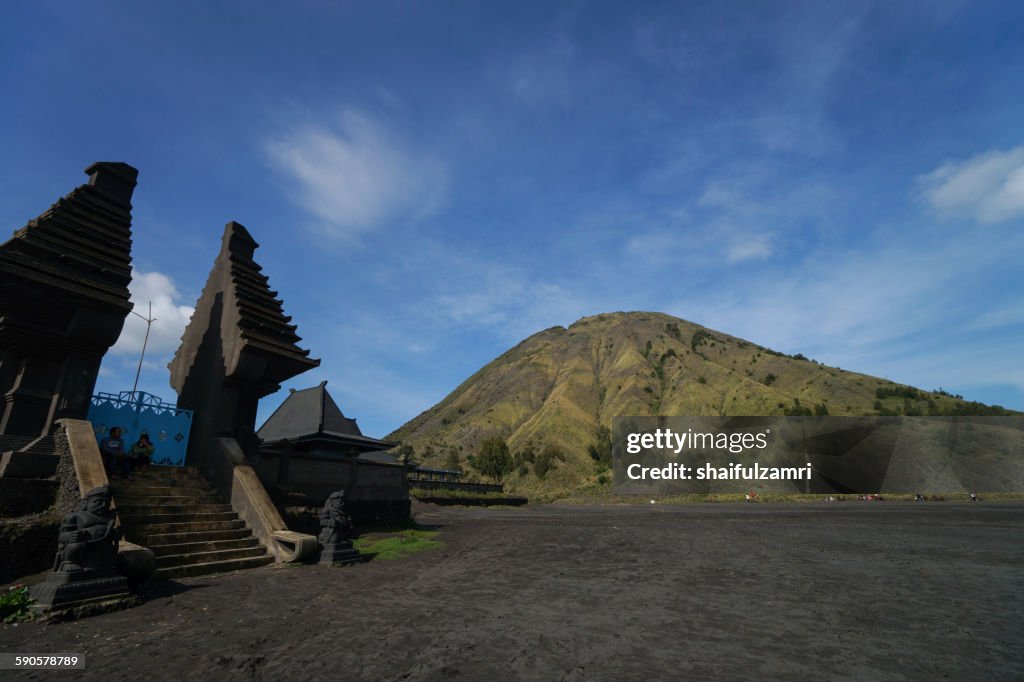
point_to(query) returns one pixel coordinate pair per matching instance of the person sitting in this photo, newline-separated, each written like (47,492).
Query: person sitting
(112,449)
(141,454)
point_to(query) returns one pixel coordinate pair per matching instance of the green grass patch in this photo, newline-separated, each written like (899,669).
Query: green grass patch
(397,545)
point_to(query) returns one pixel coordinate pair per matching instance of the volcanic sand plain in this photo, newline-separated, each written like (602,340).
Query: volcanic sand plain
(850,590)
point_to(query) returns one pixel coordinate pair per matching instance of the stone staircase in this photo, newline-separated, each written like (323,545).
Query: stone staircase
(175,512)
(28,468)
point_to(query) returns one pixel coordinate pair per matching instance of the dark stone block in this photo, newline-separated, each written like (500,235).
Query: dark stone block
(27,545)
(20,496)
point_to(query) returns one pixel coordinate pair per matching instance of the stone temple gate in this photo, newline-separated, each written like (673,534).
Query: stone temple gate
(64,279)
(238,347)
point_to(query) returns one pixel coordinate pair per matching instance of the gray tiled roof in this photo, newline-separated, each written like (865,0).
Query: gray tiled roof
(312,414)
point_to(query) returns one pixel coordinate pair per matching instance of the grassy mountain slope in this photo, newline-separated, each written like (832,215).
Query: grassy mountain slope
(561,385)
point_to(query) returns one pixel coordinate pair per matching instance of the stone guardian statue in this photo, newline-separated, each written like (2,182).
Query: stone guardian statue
(336,532)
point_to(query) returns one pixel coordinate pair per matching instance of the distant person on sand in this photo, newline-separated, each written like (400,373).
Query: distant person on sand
(141,453)
(112,448)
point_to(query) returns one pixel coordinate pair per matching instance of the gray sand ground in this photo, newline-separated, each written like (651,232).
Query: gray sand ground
(851,590)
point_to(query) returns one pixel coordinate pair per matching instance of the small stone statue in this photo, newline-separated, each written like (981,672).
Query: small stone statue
(335,524)
(88,539)
(85,568)
(336,532)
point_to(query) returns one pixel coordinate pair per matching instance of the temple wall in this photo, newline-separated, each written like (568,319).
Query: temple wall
(318,477)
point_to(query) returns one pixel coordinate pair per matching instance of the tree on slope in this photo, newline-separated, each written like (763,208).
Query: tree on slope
(494,460)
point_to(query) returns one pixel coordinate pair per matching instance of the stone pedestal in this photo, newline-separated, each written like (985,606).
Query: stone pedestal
(340,553)
(65,591)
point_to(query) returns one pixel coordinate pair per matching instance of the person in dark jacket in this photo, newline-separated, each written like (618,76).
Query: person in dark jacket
(141,453)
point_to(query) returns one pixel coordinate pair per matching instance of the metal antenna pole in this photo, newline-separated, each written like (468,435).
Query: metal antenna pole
(149,321)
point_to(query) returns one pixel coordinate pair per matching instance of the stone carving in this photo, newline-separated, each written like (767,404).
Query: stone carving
(85,568)
(88,539)
(336,532)
(335,524)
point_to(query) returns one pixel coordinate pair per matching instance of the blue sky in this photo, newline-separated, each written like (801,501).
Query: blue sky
(432,182)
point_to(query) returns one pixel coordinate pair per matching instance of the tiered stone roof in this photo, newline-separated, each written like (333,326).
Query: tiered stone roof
(262,322)
(76,254)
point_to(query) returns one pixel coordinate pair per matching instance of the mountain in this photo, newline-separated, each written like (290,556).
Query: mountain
(562,386)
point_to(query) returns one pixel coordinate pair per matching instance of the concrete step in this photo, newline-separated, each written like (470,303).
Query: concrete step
(149,530)
(139,520)
(213,567)
(157,540)
(157,512)
(27,465)
(168,560)
(192,471)
(189,547)
(8,443)
(129,490)
(43,446)
(172,473)
(140,478)
(164,500)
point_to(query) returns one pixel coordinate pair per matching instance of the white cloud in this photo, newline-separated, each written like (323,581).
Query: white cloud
(171,316)
(355,176)
(988,187)
(878,310)
(511,303)
(749,247)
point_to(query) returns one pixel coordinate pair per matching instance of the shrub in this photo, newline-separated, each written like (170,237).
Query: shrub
(898,392)
(797,410)
(546,459)
(495,460)
(451,460)
(14,604)
(601,450)
(699,337)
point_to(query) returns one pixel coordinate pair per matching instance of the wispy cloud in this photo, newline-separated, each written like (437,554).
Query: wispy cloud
(355,175)
(1009,315)
(872,310)
(749,247)
(171,316)
(988,187)
(511,302)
